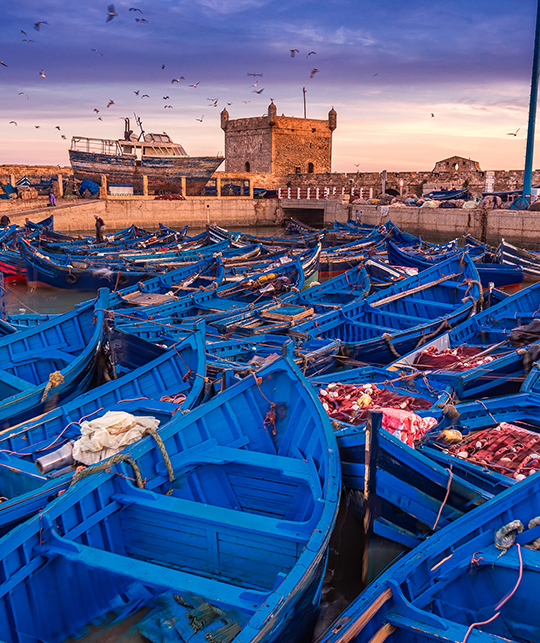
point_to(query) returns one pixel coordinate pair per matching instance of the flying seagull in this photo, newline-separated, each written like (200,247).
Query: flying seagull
(200,119)
(214,102)
(37,25)
(14,122)
(111,13)
(137,92)
(177,80)
(28,40)
(57,127)
(135,9)
(195,85)
(96,111)
(255,84)
(251,74)
(24,94)
(294,52)
(111,102)
(97,52)
(514,133)
(167,106)
(432,115)
(63,136)
(141,20)
(313,72)
(37,126)
(2,63)
(166,97)
(311,52)
(145,96)
(162,66)
(42,73)
(24,34)
(246,101)
(259,91)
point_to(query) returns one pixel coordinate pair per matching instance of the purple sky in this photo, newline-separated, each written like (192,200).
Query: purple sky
(385,66)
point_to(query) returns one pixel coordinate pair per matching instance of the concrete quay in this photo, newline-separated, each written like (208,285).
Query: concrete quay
(519,227)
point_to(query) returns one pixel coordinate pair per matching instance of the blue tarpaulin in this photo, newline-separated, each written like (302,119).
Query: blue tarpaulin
(92,187)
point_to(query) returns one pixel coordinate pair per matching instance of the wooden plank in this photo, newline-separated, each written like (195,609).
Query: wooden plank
(405,293)
(271,314)
(363,619)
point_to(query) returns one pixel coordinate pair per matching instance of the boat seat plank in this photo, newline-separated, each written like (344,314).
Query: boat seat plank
(14,382)
(431,302)
(158,576)
(43,354)
(203,516)
(217,454)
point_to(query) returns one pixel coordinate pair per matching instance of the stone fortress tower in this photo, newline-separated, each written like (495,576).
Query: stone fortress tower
(278,144)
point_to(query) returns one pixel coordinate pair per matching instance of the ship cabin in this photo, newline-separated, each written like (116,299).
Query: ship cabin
(131,146)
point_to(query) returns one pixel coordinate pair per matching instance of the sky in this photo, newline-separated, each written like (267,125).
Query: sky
(413,81)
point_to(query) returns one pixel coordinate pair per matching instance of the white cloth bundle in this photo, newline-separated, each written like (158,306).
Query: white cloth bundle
(109,434)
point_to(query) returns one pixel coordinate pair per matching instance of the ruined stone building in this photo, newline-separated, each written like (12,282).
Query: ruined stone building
(278,145)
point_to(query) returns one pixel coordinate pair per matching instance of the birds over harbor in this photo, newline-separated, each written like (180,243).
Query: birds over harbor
(112,14)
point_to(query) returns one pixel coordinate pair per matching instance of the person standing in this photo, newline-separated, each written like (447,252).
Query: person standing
(100,228)
(52,199)
(4,221)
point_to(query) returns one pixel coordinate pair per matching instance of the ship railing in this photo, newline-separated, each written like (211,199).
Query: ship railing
(324,193)
(95,145)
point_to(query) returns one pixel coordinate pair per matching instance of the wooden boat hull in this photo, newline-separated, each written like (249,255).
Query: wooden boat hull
(266,492)
(467,582)
(499,274)
(164,175)
(50,363)
(156,373)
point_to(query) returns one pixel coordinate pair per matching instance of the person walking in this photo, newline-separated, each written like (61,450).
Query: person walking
(100,228)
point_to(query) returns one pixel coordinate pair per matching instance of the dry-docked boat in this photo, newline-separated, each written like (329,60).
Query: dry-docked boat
(126,161)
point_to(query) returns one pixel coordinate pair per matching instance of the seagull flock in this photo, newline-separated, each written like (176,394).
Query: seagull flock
(111,14)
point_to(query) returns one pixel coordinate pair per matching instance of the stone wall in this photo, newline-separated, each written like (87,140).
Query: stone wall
(32,171)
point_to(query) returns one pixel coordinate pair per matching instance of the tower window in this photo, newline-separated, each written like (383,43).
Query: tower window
(310,168)
(247,167)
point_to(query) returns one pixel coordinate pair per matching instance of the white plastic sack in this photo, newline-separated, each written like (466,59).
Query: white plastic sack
(103,437)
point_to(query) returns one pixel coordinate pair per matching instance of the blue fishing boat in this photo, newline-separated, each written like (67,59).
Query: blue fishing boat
(219,302)
(225,539)
(290,310)
(475,580)
(148,380)
(489,269)
(491,353)
(397,319)
(51,362)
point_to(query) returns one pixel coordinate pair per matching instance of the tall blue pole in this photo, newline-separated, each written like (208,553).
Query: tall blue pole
(527,175)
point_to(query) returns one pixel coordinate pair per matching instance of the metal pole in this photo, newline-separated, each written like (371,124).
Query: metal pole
(527,175)
(304,92)
(373,426)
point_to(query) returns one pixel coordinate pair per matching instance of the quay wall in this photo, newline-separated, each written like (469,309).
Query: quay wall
(518,227)
(117,213)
